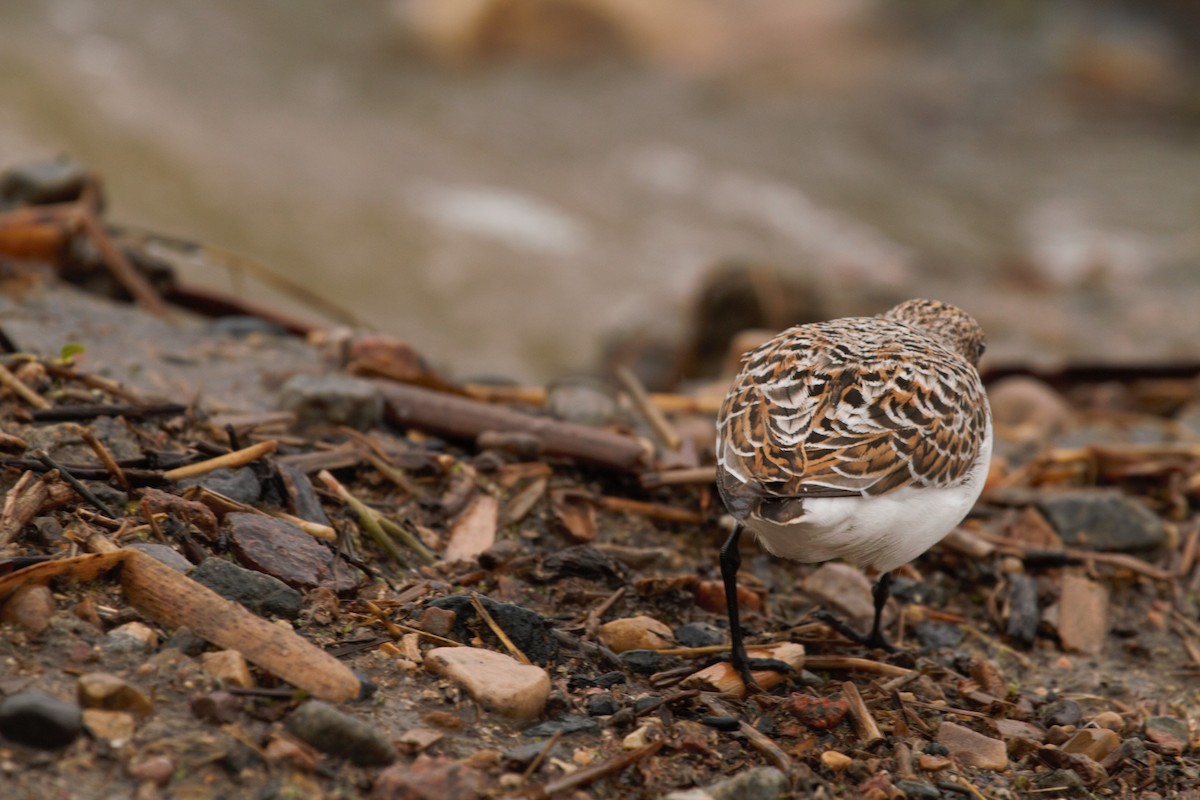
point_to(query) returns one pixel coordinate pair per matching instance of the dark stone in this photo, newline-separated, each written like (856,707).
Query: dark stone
(262,594)
(644,662)
(218,708)
(1102,519)
(518,758)
(643,703)
(36,719)
(936,749)
(239,484)
(918,790)
(605,681)
(565,725)
(1023,613)
(303,497)
(938,635)
(722,723)
(333,400)
(601,705)
(187,642)
(339,734)
(582,561)
(279,548)
(1062,712)
(529,631)
(166,555)
(699,634)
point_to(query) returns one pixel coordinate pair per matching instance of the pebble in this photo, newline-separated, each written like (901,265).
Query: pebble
(972,749)
(643,662)
(438,621)
(1027,409)
(1110,720)
(699,634)
(106,691)
(932,763)
(842,588)
(1023,613)
(710,595)
(1102,519)
(279,548)
(818,712)
(1132,749)
(601,704)
(132,637)
(429,778)
(499,682)
(241,484)
(156,769)
(757,783)
(114,727)
(219,707)
(1015,728)
(529,631)
(635,633)
(583,400)
(1089,772)
(163,554)
(332,400)
(229,667)
(1095,743)
(338,734)
(36,719)
(564,725)
(1169,733)
(938,635)
(518,758)
(1082,615)
(1062,712)
(30,608)
(918,790)
(836,761)
(262,594)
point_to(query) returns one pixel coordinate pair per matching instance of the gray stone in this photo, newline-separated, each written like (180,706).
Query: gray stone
(699,634)
(339,734)
(1169,733)
(36,719)
(167,555)
(333,400)
(239,484)
(1102,519)
(262,594)
(759,783)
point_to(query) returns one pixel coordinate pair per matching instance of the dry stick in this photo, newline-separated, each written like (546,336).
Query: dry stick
(366,517)
(408,537)
(131,411)
(583,777)
(377,612)
(864,724)
(21,390)
(237,458)
(464,418)
(757,738)
(653,415)
(223,505)
(541,756)
(536,396)
(94,382)
(679,477)
(652,510)
(119,265)
(105,455)
(496,629)
(596,614)
(80,489)
(396,476)
(853,663)
(433,637)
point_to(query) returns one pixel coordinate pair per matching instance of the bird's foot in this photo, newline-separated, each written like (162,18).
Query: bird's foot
(875,640)
(747,666)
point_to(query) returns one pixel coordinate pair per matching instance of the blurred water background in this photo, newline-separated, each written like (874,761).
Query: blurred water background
(512,185)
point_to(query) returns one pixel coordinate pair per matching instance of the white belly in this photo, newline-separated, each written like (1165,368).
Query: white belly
(882,531)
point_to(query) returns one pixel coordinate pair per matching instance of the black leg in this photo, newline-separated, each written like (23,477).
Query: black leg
(731,561)
(881,592)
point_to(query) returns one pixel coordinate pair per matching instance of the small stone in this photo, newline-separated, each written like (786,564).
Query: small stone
(286,750)
(283,550)
(518,758)
(163,554)
(339,734)
(842,588)
(229,667)
(1089,772)
(114,727)
(108,692)
(332,400)
(262,594)
(219,708)
(414,740)
(918,790)
(132,637)
(36,719)
(818,712)
(1169,733)
(972,749)
(564,725)
(836,761)
(531,632)
(30,608)
(938,635)
(1014,728)
(932,763)
(643,662)
(583,400)
(1023,612)
(1082,615)
(757,783)
(1027,409)
(499,682)
(1102,519)
(639,737)
(429,778)
(710,595)
(601,704)
(156,769)
(1095,743)
(699,634)
(635,633)
(1110,720)
(438,621)
(240,484)
(1062,712)
(1132,749)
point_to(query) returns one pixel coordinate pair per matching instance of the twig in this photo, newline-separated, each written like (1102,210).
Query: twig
(21,390)
(83,491)
(679,477)
(653,510)
(586,775)
(406,536)
(235,459)
(222,504)
(541,756)
(105,455)
(366,517)
(757,738)
(864,723)
(853,663)
(496,629)
(651,413)
(130,410)
(596,614)
(116,261)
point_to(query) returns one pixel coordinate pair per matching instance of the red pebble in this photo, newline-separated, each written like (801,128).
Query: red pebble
(818,712)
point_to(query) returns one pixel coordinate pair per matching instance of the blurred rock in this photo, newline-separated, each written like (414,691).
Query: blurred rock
(1026,409)
(1023,612)
(108,692)
(229,667)
(635,633)
(332,400)
(132,637)
(436,778)
(1062,712)
(30,608)
(1102,519)
(583,400)
(529,631)
(699,634)
(564,725)
(1095,743)
(1089,772)
(1169,733)
(36,719)
(116,728)
(972,749)
(756,783)
(499,682)
(1082,615)
(155,769)
(218,708)
(339,734)
(843,589)
(818,713)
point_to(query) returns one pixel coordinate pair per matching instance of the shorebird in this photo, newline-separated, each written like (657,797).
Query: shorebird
(865,438)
